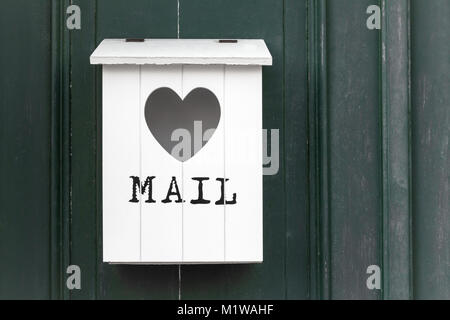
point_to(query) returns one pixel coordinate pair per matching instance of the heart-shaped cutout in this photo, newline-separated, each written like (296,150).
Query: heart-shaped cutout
(171,120)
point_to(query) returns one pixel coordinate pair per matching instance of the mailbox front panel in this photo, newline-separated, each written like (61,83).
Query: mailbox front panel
(198,197)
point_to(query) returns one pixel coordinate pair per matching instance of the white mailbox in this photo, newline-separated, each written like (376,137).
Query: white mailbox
(182,150)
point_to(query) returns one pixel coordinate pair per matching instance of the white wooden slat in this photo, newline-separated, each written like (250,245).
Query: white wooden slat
(243,163)
(161,223)
(121,218)
(203,224)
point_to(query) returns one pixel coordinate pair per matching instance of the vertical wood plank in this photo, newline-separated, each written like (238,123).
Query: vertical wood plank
(396,152)
(25,137)
(83,149)
(354,145)
(56,177)
(314,51)
(161,223)
(66,145)
(203,224)
(243,163)
(121,157)
(430,101)
(319,103)
(296,142)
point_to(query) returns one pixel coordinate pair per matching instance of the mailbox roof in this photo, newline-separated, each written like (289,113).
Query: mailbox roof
(182,51)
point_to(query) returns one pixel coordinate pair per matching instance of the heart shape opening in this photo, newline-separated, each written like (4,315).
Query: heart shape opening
(182,126)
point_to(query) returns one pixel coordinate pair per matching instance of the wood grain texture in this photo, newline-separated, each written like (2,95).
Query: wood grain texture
(312,119)
(65,153)
(25,149)
(319,154)
(395,117)
(430,100)
(297,185)
(80,130)
(56,176)
(353,149)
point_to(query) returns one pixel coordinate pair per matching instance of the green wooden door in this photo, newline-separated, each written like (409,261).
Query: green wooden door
(363,177)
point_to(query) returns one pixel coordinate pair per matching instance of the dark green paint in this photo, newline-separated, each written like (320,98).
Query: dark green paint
(395,118)
(353,148)
(363,119)
(82,106)
(25,131)
(55,162)
(295,155)
(430,103)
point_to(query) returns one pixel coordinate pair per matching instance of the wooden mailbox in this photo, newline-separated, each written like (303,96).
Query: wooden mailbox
(182,150)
